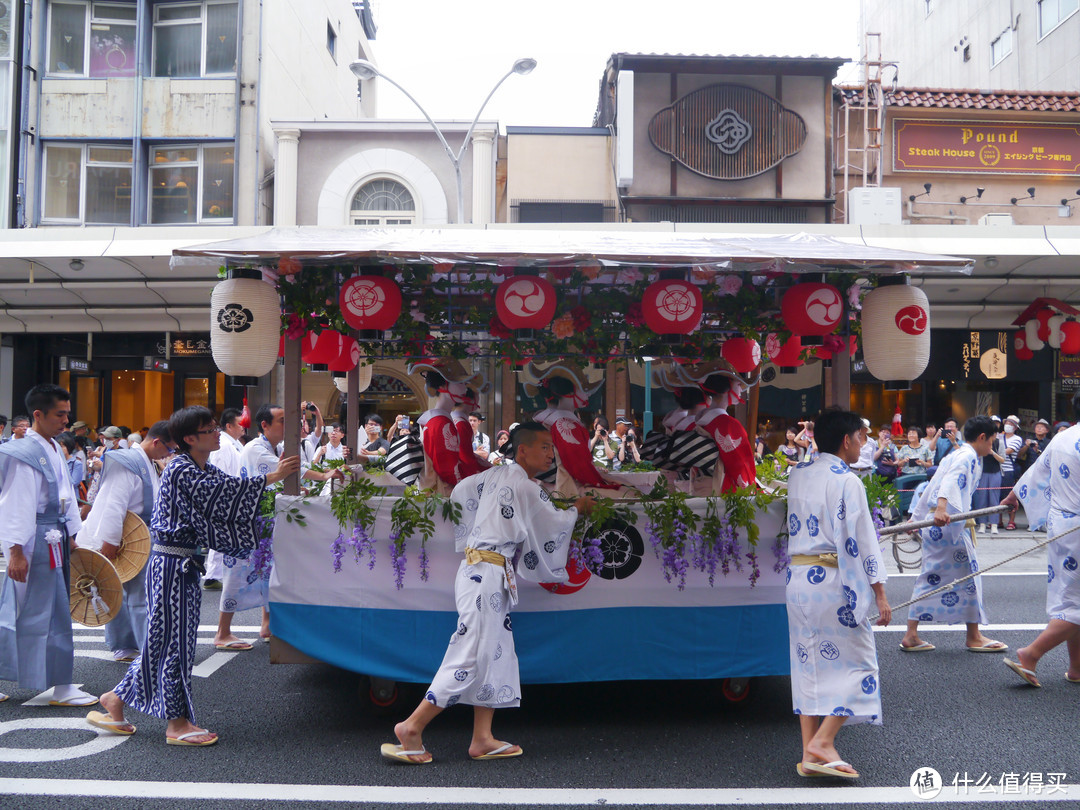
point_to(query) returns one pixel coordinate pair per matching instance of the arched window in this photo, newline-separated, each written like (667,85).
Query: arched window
(383,202)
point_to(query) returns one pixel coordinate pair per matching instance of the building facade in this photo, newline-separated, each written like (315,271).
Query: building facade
(145,126)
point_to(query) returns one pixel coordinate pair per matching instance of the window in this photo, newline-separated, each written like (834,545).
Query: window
(195,39)
(87,183)
(191,184)
(331,40)
(383,202)
(91,39)
(1053,12)
(1001,47)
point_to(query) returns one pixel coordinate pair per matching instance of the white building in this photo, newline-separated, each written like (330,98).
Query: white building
(1028,45)
(134,115)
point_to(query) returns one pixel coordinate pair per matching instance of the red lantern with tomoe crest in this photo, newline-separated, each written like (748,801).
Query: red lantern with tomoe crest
(812,308)
(370,302)
(743,353)
(525,302)
(672,307)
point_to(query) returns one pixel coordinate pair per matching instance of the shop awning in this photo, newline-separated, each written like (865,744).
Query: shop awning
(656,245)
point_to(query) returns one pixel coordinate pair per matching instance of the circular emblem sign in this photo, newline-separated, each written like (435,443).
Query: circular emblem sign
(812,309)
(672,307)
(234,318)
(370,302)
(525,302)
(911,320)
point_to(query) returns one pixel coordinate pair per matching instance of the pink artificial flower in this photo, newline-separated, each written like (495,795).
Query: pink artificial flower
(563,326)
(729,284)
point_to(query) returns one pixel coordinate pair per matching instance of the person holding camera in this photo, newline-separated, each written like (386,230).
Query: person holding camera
(628,450)
(619,438)
(885,463)
(805,439)
(600,444)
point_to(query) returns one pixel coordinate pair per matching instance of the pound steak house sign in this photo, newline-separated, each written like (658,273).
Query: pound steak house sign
(974,147)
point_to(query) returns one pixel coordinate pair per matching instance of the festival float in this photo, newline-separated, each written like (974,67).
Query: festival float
(680,573)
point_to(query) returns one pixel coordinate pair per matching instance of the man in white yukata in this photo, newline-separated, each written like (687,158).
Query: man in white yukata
(835,577)
(197,505)
(1050,491)
(504,515)
(129,483)
(227,459)
(39,515)
(948,549)
(243,586)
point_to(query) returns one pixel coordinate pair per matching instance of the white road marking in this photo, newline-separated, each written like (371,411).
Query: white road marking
(102,742)
(212,664)
(103,655)
(1041,574)
(379,794)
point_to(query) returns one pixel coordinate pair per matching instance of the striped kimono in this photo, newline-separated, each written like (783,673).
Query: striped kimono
(195,507)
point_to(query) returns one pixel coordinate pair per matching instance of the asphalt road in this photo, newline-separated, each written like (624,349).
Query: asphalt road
(300,735)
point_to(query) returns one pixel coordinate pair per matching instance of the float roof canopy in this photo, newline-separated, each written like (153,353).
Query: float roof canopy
(657,245)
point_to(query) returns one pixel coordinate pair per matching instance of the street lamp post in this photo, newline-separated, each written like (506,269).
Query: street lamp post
(363,69)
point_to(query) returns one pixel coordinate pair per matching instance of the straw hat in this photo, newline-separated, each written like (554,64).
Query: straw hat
(96,591)
(584,378)
(134,547)
(699,372)
(451,370)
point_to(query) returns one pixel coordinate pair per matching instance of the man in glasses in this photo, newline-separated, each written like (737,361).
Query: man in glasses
(129,482)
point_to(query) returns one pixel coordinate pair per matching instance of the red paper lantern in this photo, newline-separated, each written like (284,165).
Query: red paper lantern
(525,302)
(812,308)
(672,307)
(348,358)
(1070,337)
(323,347)
(370,302)
(1044,315)
(785,354)
(743,354)
(1020,344)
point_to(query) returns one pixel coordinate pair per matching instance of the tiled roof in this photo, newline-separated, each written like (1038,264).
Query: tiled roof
(973,99)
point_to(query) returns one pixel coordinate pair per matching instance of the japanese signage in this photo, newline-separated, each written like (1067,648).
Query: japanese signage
(197,346)
(978,147)
(992,362)
(74,364)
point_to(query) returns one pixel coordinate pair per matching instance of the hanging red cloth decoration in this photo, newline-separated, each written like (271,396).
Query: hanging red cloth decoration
(812,308)
(245,416)
(370,302)
(525,302)
(672,307)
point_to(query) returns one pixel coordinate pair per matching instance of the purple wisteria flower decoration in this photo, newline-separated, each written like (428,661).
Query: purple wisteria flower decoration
(398,559)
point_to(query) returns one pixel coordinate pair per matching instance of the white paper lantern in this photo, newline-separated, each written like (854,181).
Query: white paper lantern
(896,332)
(342,382)
(245,321)
(1053,324)
(1031,333)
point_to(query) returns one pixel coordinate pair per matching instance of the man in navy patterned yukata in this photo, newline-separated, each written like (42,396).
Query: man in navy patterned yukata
(197,505)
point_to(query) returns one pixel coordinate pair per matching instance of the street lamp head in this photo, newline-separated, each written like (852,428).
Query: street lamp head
(363,69)
(523,67)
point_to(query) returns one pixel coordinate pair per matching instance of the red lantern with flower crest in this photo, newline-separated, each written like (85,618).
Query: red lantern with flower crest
(321,348)
(785,354)
(370,302)
(672,307)
(1020,344)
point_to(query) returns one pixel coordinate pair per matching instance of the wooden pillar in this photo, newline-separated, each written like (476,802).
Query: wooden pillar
(291,406)
(508,408)
(352,418)
(837,382)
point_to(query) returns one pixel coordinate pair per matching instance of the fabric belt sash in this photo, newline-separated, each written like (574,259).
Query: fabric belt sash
(193,558)
(477,555)
(827,560)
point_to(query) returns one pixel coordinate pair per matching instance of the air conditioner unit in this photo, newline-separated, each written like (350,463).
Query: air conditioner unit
(874,206)
(996,219)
